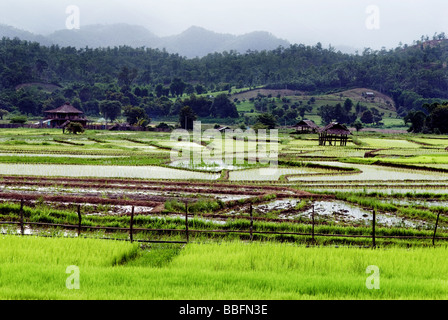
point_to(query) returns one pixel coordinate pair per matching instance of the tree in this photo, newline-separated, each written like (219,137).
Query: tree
(177,87)
(279,112)
(291,116)
(27,105)
(134,114)
(367,117)
(336,113)
(74,128)
(3,113)
(438,118)
(326,114)
(159,107)
(358,125)
(200,105)
(187,117)
(377,116)
(159,90)
(110,109)
(127,76)
(348,105)
(189,89)
(222,107)
(200,89)
(417,120)
(267,120)
(19,119)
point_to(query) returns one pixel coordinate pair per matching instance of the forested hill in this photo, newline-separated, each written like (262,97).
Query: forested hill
(409,74)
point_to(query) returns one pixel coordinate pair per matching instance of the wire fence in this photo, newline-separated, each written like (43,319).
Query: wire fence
(132,230)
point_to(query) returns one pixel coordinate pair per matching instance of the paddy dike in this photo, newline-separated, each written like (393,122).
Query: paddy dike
(151,195)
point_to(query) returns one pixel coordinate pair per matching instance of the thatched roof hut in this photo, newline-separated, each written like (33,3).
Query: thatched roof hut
(332,133)
(307,126)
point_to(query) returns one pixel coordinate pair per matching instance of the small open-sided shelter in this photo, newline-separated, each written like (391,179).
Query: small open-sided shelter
(307,126)
(334,133)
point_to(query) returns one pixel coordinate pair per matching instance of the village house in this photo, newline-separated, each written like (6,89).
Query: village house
(62,116)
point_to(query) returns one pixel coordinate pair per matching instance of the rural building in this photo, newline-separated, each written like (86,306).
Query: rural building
(369,94)
(62,116)
(307,126)
(334,133)
(222,129)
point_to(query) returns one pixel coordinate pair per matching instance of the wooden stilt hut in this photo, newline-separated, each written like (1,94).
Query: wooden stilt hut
(62,116)
(307,126)
(334,133)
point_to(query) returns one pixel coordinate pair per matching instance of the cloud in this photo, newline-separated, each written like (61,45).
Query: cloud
(300,21)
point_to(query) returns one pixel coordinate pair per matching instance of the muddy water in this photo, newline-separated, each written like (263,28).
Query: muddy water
(339,212)
(390,190)
(155,195)
(28,231)
(411,202)
(212,165)
(343,212)
(277,205)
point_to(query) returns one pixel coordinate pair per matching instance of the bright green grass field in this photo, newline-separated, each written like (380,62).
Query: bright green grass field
(35,268)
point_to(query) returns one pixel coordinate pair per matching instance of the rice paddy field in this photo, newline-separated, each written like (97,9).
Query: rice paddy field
(36,268)
(298,225)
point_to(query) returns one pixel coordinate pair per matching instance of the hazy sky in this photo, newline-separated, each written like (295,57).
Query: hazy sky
(356,23)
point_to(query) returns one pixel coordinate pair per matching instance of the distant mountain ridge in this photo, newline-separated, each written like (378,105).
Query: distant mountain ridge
(11,32)
(193,42)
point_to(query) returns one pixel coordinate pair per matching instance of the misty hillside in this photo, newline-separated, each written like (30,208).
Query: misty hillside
(194,42)
(11,32)
(199,42)
(96,36)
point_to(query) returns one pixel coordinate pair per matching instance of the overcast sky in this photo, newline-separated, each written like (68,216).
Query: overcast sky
(356,23)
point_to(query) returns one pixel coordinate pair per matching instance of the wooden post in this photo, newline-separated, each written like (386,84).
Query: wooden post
(312,224)
(79,220)
(373,228)
(22,229)
(251,223)
(435,229)
(186,221)
(131,229)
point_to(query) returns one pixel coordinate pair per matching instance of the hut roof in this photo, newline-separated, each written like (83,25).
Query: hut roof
(336,128)
(307,123)
(66,108)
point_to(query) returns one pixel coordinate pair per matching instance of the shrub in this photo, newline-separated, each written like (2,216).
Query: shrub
(19,119)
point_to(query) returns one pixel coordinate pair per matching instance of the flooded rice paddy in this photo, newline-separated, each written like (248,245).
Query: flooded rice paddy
(143,172)
(374,173)
(339,212)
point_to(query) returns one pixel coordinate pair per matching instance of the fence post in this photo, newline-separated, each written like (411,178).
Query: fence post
(251,223)
(373,228)
(22,229)
(79,220)
(186,221)
(312,225)
(131,228)
(435,229)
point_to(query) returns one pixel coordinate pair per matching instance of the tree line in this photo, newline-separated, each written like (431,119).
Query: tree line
(413,75)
